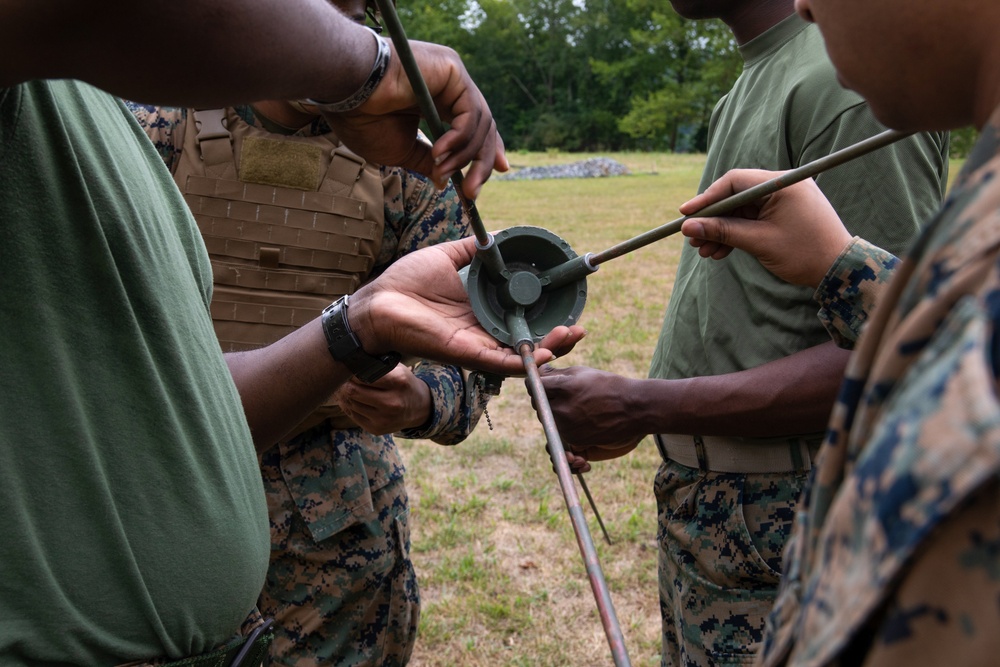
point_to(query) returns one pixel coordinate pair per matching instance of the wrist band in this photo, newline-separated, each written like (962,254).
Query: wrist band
(361,95)
(346,348)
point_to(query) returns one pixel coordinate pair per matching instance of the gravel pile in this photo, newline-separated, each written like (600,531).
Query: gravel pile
(593,168)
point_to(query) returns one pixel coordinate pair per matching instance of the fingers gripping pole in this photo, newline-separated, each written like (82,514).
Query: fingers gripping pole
(560,275)
(488,251)
(605,607)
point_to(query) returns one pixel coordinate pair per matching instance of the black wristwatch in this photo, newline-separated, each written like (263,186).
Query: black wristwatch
(346,348)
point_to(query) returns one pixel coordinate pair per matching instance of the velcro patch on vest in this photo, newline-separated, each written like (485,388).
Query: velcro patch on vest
(286,164)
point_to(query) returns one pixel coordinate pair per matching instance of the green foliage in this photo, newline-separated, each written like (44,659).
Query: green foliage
(962,141)
(686,66)
(593,75)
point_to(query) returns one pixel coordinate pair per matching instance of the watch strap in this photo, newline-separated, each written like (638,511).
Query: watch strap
(345,347)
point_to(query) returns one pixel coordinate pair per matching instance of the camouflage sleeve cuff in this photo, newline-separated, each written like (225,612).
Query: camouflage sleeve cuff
(851,288)
(452,418)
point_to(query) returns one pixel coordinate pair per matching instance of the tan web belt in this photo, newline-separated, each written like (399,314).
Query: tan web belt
(739,455)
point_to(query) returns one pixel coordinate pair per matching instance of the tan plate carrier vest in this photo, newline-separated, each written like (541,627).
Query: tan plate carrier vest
(290,224)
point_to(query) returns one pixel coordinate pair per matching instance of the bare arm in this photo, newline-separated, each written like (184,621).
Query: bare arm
(784,397)
(281,384)
(787,396)
(228,50)
(233,51)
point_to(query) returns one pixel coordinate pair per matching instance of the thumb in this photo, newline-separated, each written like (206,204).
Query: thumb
(731,232)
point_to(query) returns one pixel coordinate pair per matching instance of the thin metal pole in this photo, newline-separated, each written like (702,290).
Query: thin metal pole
(605,607)
(593,506)
(576,269)
(488,251)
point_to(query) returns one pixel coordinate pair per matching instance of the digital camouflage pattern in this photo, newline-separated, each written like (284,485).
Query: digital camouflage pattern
(340,582)
(895,556)
(852,287)
(722,567)
(351,598)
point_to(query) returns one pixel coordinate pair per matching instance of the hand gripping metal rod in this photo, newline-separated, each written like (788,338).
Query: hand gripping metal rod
(582,266)
(605,607)
(487,249)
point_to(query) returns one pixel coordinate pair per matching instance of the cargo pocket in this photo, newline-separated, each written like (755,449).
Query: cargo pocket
(326,478)
(720,546)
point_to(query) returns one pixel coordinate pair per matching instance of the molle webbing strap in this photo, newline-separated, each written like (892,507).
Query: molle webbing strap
(265,254)
(306,229)
(251,277)
(345,170)
(215,143)
(308,210)
(243,318)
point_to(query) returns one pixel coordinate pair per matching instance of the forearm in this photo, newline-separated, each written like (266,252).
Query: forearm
(793,395)
(311,50)
(281,384)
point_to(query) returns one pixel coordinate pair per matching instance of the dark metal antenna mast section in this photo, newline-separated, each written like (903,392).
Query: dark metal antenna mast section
(487,250)
(587,264)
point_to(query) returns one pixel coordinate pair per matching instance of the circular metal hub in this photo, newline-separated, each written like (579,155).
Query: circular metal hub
(527,252)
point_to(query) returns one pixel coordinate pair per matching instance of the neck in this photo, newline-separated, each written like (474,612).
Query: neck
(987,99)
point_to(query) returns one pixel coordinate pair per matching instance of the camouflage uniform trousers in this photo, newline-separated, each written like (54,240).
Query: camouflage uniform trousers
(721,537)
(350,600)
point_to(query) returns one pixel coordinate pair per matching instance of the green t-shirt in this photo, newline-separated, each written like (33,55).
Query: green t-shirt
(131,506)
(785,110)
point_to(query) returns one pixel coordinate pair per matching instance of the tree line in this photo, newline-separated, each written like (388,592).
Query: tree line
(600,75)
(590,75)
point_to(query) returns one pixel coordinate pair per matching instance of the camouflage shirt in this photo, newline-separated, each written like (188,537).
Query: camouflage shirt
(895,557)
(416,215)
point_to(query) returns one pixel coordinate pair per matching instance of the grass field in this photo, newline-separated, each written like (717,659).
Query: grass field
(502,579)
